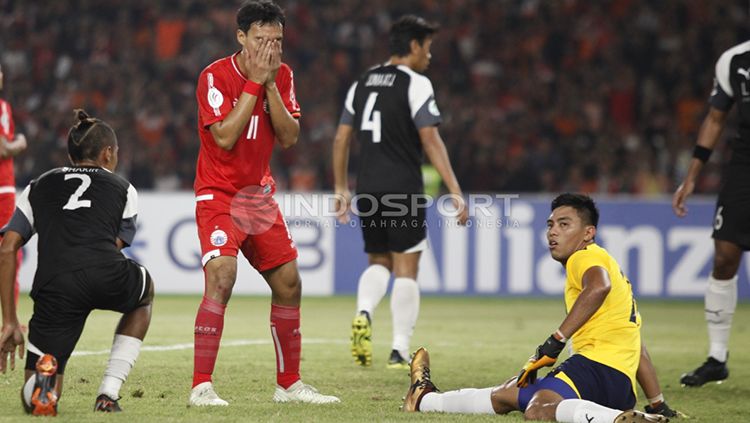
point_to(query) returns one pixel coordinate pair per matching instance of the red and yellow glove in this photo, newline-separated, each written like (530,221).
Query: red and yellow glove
(545,356)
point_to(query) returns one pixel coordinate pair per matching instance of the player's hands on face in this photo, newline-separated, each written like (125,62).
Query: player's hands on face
(680,196)
(10,338)
(342,202)
(545,356)
(258,62)
(275,62)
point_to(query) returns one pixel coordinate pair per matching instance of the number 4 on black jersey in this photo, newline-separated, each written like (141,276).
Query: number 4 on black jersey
(387,106)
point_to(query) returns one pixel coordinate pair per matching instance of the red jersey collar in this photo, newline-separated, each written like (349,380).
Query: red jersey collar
(236,66)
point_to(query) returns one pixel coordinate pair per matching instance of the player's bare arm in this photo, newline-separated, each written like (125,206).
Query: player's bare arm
(341,144)
(256,65)
(11,336)
(708,137)
(434,147)
(596,286)
(284,124)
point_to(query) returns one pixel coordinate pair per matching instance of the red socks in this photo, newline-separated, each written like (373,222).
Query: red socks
(287,341)
(209,323)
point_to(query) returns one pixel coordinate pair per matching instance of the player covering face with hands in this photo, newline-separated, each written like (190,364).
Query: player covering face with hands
(246,104)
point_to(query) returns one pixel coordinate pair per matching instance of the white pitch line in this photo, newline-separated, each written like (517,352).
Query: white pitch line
(235,343)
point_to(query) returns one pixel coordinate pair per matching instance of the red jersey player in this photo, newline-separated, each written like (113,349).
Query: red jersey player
(10,145)
(245,102)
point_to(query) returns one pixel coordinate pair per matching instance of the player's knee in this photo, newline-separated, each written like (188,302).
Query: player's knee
(220,280)
(725,265)
(406,271)
(291,287)
(383,259)
(538,412)
(148,298)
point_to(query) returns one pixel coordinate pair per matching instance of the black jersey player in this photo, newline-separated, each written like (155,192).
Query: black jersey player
(84,215)
(392,110)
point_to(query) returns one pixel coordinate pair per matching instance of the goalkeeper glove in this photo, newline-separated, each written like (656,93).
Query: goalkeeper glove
(546,355)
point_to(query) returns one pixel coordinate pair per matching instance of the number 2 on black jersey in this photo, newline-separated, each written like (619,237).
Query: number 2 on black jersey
(371,118)
(75,202)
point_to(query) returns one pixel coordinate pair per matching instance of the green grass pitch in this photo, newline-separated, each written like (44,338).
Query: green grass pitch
(473,342)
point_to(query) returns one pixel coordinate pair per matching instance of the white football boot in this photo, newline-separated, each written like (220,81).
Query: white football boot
(204,395)
(301,392)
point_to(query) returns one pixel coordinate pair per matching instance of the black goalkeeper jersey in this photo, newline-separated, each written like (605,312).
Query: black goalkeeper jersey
(386,107)
(78,212)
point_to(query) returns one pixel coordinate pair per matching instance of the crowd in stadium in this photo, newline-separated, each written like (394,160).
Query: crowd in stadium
(533,100)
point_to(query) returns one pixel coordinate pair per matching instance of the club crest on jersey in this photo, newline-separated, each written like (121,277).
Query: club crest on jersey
(218,238)
(215,98)
(433,108)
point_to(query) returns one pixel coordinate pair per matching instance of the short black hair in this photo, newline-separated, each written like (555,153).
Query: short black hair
(259,11)
(88,137)
(583,204)
(405,29)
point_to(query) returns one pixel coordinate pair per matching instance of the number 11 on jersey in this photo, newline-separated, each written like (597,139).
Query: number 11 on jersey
(252,128)
(371,118)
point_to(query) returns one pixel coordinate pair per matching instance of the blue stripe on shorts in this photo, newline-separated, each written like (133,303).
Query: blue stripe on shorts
(548,382)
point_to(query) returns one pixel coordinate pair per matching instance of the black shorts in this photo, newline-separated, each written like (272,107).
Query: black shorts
(62,304)
(732,214)
(392,222)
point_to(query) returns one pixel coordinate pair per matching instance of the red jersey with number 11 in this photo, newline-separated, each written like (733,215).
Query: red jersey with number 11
(247,163)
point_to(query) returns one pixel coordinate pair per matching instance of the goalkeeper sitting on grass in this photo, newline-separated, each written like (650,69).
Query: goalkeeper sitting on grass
(598,381)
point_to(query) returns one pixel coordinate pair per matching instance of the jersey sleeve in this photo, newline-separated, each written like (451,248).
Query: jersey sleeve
(581,261)
(285,82)
(424,109)
(22,221)
(129,215)
(214,104)
(347,115)
(722,95)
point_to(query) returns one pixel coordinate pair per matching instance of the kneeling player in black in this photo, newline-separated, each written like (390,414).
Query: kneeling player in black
(84,215)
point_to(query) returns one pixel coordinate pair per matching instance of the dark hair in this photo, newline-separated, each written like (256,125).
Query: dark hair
(405,29)
(259,11)
(88,137)
(583,204)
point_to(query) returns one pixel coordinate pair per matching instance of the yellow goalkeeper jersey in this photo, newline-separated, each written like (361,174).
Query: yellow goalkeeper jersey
(612,336)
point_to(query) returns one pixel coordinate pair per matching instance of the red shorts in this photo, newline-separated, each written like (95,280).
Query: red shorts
(224,227)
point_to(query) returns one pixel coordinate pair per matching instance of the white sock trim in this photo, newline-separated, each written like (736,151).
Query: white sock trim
(467,401)
(720,305)
(372,286)
(122,357)
(404,311)
(583,411)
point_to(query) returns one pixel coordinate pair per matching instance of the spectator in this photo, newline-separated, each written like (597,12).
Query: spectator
(588,77)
